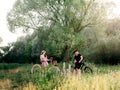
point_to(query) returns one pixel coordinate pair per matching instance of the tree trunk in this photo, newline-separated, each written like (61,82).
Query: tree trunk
(66,53)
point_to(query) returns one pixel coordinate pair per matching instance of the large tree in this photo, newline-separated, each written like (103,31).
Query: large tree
(75,14)
(62,19)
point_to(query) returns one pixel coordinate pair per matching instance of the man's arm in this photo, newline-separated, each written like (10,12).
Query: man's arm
(75,61)
(81,58)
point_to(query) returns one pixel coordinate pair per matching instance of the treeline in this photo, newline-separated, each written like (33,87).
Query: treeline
(58,45)
(100,47)
(60,27)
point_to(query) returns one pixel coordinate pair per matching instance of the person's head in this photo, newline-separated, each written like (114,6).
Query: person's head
(76,52)
(43,52)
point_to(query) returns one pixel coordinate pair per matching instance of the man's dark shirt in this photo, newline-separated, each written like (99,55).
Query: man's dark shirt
(77,58)
(77,64)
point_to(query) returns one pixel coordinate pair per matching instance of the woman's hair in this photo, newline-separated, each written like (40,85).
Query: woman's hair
(43,51)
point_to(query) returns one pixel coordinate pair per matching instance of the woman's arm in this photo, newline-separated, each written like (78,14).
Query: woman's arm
(42,58)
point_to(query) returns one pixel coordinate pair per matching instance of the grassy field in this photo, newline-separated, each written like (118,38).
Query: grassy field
(18,77)
(109,81)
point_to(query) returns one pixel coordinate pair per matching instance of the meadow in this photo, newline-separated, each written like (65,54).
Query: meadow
(18,77)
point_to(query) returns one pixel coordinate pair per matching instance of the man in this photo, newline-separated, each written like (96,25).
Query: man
(77,61)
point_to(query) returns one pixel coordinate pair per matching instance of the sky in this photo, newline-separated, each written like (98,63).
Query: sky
(7,5)
(7,36)
(114,10)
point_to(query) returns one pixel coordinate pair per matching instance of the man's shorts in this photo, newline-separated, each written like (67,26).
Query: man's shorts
(77,65)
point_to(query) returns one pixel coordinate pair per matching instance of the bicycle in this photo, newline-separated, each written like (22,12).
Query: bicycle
(37,68)
(85,68)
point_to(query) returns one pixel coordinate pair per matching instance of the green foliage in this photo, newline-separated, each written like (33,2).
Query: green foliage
(5,66)
(58,41)
(39,41)
(60,27)
(4,51)
(19,52)
(76,14)
(57,26)
(102,46)
(45,81)
(107,52)
(48,81)
(62,42)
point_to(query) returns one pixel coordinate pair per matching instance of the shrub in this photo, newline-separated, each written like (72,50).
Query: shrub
(107,52)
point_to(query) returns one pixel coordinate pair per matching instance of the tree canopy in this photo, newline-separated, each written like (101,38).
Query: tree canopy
(74,14)
(60,27)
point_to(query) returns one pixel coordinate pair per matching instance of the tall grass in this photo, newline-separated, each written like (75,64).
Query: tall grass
(5,83)
(96,82)
(103,78)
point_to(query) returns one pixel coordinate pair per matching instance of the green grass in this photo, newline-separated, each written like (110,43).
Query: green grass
(47,80)
(4,66)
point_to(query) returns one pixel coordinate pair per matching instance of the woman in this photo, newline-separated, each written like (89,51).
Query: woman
(44,59)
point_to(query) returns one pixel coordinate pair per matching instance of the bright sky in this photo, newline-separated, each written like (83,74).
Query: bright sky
(6,6)
(114,10)
(7,36)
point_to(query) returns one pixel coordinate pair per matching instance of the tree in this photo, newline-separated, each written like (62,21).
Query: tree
(4,50)
(113,27)
(18,52)
(62,42)
(75,14)
(63,19)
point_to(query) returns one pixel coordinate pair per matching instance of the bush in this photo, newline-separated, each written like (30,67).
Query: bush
(107,52)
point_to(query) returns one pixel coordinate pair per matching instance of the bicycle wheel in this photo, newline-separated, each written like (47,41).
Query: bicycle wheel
(54,70)
(88,69)
(36,69)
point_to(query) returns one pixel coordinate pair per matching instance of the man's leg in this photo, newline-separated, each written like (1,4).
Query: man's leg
(74,71)
(79,73)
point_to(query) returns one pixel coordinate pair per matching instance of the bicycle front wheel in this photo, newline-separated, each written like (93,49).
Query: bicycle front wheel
(54,70)
(36,68)
(88,70)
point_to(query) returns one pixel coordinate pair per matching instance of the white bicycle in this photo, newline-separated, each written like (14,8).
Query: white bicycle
(38,69)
